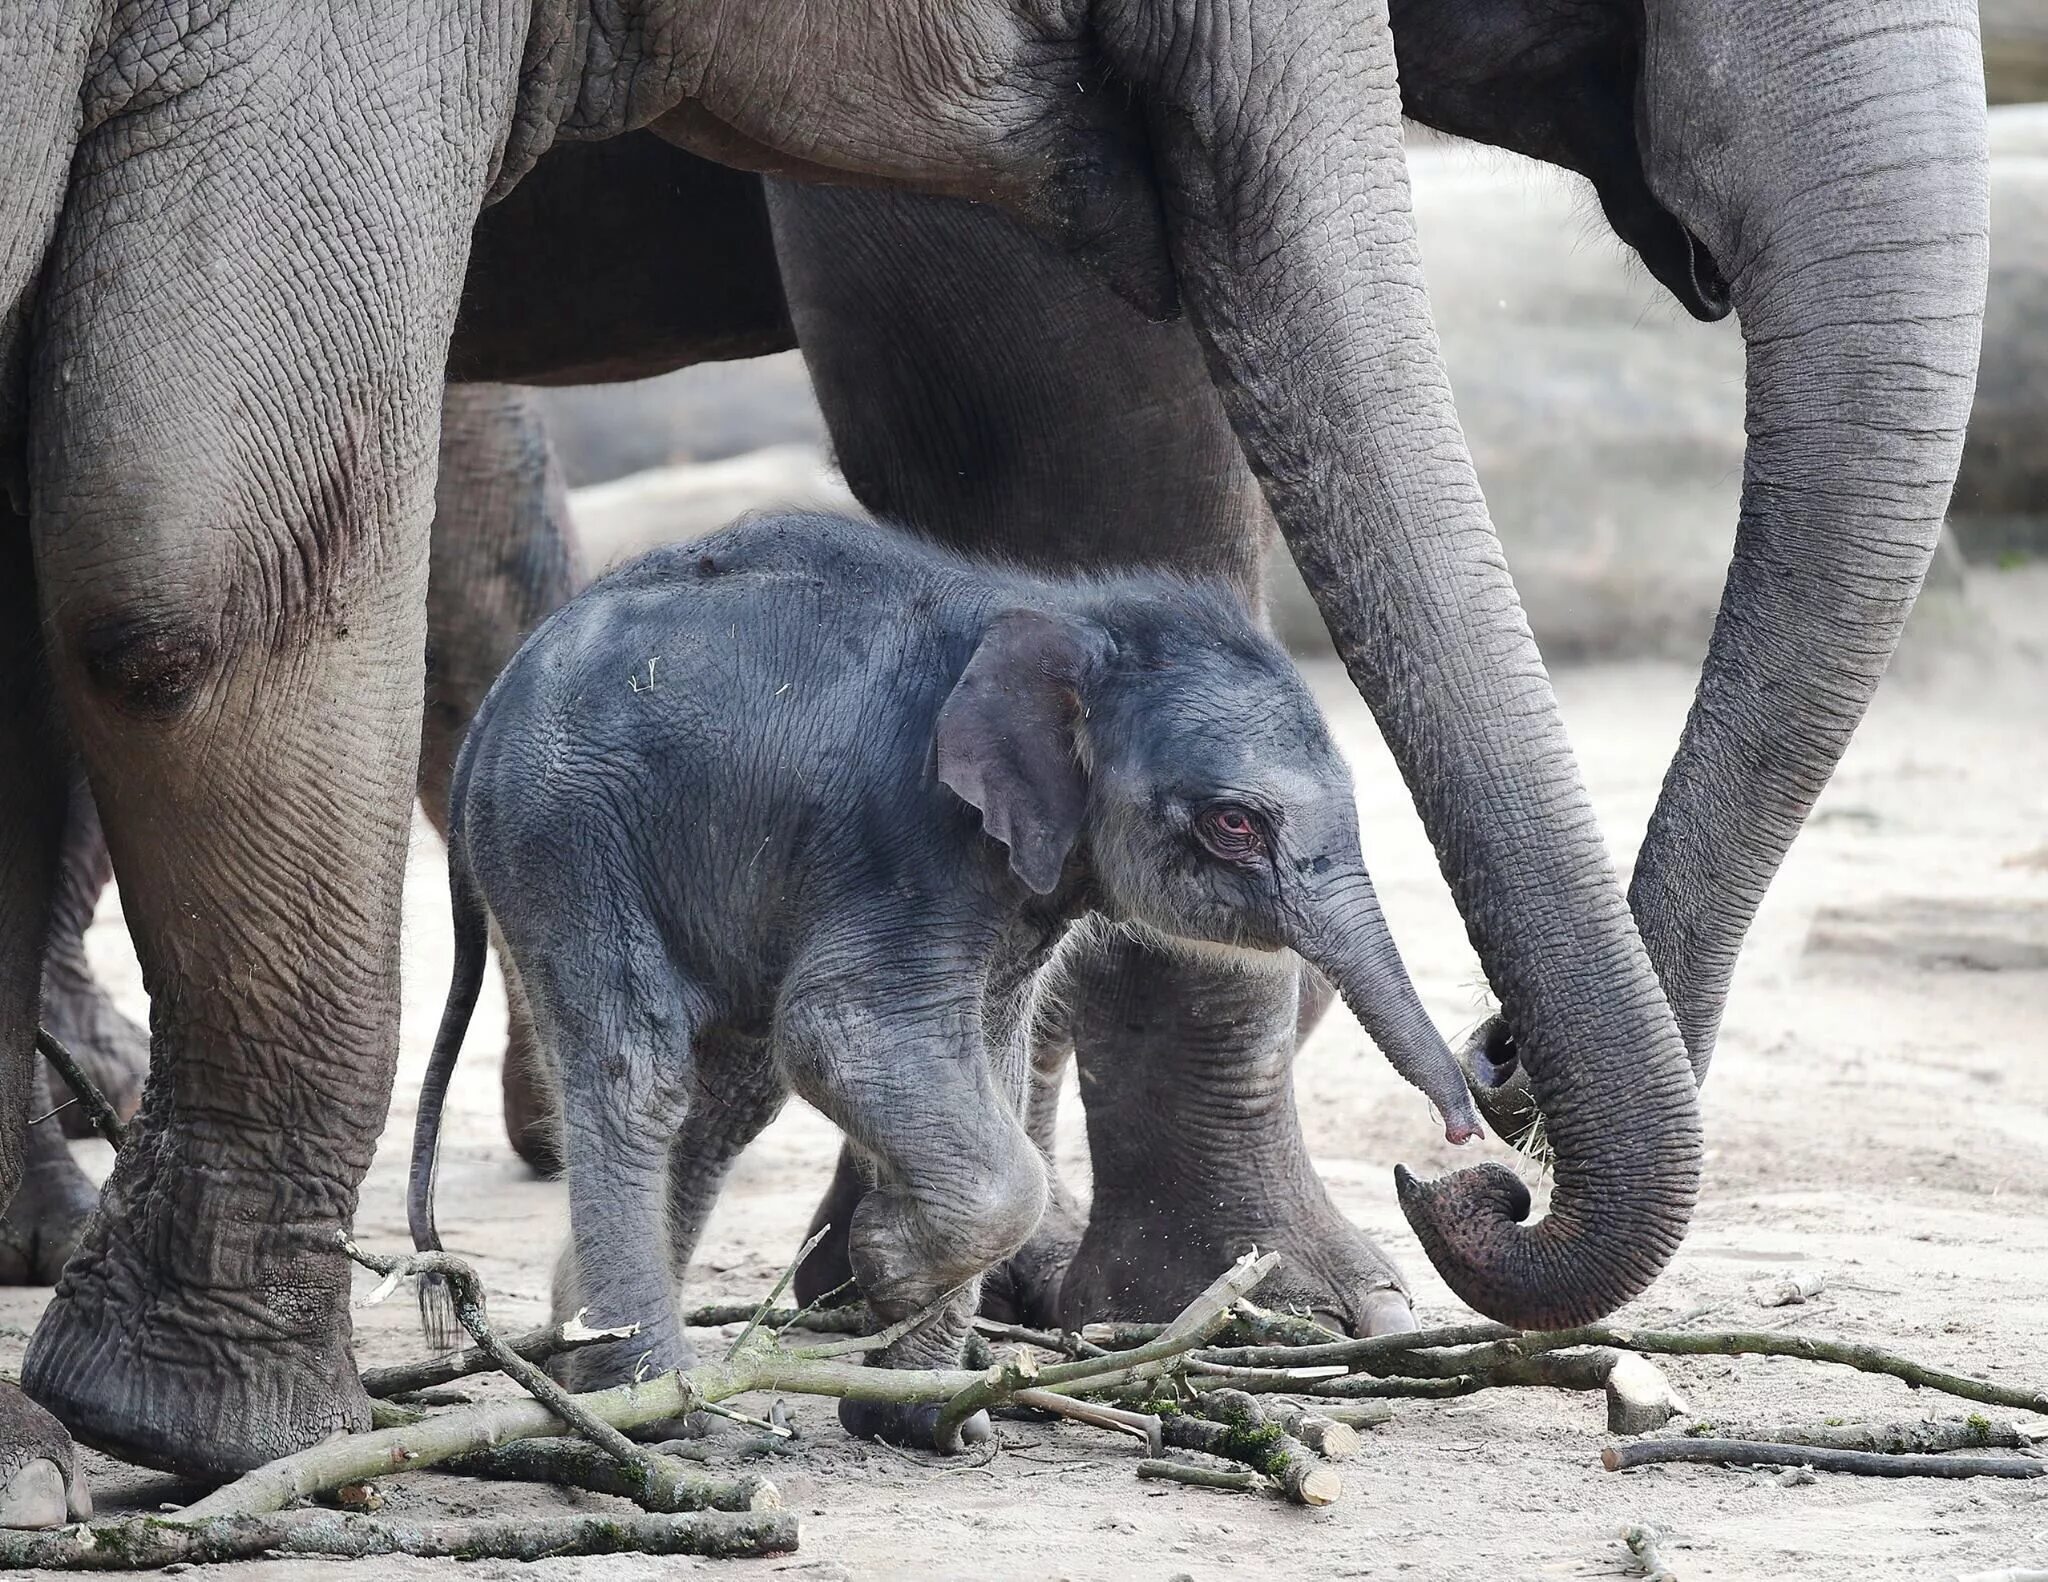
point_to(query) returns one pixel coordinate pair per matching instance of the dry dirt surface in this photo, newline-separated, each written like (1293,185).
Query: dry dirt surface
(1878,1113)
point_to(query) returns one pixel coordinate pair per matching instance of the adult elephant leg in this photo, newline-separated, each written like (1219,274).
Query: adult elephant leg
(503,560)
(1197,1149)
(77,1009)
(232,470)
(36,1459)
(986,389)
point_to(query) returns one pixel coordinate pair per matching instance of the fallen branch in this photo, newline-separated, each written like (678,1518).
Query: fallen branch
(1237,1429)
(147,1543)
(1645,1548)
(578,1464)
(1869,1464)
(1235,1480)
(1926,1436)
(538,1345)
(83,1088)
(760,1365)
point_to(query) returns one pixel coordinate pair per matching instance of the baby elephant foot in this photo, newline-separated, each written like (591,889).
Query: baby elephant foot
(911,1427)
(40,1485)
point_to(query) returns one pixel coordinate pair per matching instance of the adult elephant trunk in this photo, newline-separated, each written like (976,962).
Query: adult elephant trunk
(1836,171)
(1276,129)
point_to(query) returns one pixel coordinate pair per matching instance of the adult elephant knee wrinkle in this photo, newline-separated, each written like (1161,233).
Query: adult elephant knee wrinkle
(916,774)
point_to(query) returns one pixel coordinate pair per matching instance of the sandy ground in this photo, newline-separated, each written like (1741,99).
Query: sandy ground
(1878,1112)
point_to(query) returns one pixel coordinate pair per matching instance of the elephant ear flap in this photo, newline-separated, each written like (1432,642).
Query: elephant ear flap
(1005,739)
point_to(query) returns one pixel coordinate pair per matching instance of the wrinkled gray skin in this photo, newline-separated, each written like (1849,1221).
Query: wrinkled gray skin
(254,576)
(810,806)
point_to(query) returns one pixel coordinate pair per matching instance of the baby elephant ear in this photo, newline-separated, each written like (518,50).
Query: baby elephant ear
(1006,739)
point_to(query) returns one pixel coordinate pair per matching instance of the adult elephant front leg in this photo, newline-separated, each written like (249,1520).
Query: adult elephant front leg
(232,459)
(504,559)
(1047,422)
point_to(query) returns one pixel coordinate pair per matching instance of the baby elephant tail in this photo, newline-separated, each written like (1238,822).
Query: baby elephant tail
(472,951)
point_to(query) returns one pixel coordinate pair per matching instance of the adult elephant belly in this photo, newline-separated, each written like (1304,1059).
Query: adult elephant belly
(984,389)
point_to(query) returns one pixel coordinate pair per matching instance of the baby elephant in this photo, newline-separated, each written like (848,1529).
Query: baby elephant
(808,806)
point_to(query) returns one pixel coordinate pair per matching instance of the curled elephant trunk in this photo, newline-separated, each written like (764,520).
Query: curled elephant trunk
(1350,945)
(1297,257)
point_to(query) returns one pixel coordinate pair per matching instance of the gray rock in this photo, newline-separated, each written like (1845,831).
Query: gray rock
(2015,50)
(2001,501)
(704,413)
(1606,425)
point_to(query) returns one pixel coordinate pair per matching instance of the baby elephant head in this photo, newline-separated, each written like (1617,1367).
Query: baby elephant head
(1175,748)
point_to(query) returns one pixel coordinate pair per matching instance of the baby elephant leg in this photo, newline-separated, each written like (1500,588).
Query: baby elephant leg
(959,1185)
(624,1046)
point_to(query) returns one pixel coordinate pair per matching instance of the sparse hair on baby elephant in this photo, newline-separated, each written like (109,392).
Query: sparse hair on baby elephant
(809,806)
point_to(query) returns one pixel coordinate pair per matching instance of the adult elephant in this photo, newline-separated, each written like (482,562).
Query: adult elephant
(1826,181)
(1281,178)
(233,246)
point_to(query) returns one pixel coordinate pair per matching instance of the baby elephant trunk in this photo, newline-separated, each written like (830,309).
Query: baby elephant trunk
(1349,944)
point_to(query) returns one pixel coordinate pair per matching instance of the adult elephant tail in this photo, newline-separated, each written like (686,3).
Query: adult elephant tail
(1276,132)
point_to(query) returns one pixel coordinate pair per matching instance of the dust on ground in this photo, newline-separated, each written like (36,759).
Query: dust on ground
(1878,1111)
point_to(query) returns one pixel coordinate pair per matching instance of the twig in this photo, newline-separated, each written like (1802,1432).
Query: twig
(818,1320)
(1645,1545)
(1061,1343)
(1486,1347)
(146,1543)
(1759,1453)
(1197,1322)
(536,1345)
(664,1485)
(1237,1480)
(578,1464)
(781,1285)
(87,1091)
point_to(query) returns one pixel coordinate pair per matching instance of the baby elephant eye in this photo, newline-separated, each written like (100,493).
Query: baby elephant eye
(1231,832)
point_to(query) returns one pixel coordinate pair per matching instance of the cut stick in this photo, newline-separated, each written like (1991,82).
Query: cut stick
(1863,1463)
(1328,1437)
(148,1543)
(1233,1480)
(1925,1436)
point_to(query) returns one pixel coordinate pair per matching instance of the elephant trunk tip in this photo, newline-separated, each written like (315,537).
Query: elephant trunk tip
(1472,1225)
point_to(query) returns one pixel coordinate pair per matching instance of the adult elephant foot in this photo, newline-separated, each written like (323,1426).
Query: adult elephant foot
(40,1484)
(183,1270)
(1186,1074)
(46,1220)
